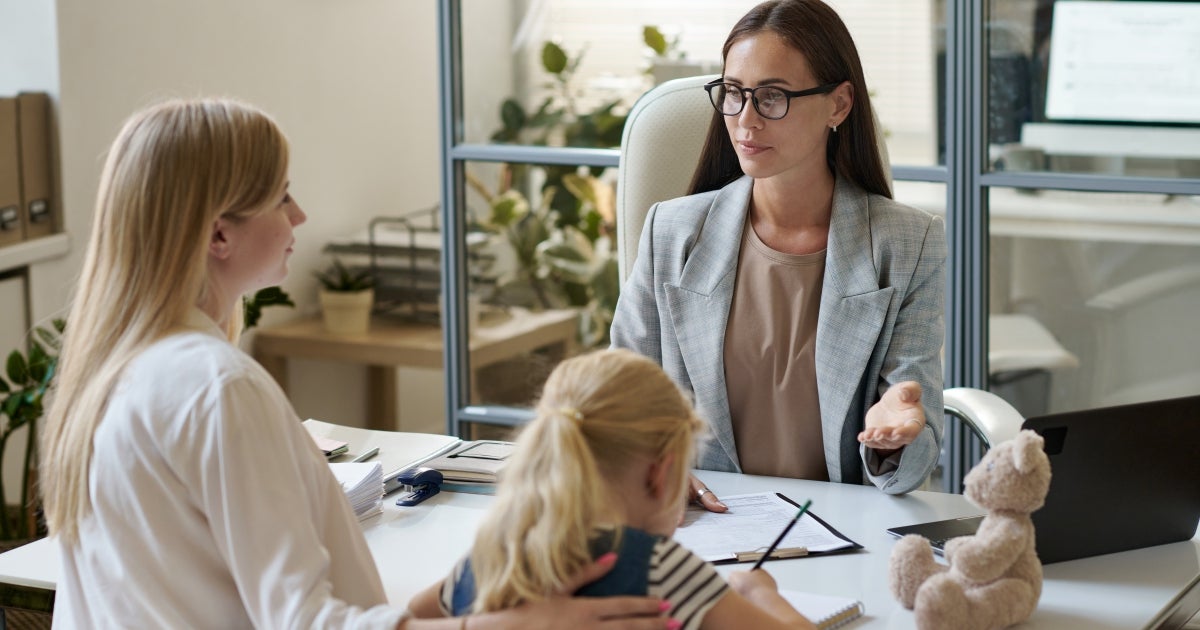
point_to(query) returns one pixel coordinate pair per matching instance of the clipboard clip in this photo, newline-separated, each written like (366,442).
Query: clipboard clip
(781,552)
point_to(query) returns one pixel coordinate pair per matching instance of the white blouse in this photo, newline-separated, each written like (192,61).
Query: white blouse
(212,507)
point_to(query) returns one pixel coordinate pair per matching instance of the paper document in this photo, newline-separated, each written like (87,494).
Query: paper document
(363,484)
(752,524)
(397,450)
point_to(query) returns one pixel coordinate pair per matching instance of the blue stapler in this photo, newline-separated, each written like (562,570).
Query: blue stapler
(424,483)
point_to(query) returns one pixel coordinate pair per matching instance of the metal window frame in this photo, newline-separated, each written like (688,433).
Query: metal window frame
(965,175)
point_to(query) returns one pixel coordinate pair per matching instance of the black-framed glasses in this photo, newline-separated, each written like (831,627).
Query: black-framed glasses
(770,102)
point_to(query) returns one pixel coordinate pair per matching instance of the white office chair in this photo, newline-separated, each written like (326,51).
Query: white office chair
(663,138)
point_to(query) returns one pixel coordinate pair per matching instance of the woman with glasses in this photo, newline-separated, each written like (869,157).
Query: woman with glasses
(799,303)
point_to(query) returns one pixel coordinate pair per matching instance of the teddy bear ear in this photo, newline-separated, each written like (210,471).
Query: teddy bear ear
(1026,447)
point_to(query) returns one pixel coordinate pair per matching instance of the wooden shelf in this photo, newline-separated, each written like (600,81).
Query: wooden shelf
(37,250)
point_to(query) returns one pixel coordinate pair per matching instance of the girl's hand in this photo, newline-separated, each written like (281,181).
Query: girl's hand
(749,583)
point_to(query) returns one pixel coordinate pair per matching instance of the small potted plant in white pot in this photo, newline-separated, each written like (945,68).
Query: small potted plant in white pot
(346,298)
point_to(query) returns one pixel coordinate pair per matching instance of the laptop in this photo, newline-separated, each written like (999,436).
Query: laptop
(1122,478)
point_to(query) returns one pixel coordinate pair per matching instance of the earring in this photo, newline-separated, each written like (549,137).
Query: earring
(834,128)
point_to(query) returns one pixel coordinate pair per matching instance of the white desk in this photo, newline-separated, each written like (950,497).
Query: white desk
(417,546)
(1081,216)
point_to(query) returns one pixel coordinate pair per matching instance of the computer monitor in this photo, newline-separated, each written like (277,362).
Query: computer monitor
(1124,62)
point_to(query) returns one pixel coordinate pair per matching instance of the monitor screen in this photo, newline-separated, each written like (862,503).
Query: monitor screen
(1127,62)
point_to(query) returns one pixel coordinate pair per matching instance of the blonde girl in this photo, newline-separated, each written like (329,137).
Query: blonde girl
(602,469)
(179,484)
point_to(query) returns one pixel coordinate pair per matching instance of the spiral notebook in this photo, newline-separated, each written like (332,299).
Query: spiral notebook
(826,611)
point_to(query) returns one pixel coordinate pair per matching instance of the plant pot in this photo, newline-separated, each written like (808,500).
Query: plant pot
(347,312)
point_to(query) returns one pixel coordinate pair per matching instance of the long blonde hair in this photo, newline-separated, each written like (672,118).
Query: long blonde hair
(597,413)
(173,170)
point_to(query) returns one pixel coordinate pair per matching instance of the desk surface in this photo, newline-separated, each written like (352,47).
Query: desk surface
(500,335)
(1071,215)
(417,546)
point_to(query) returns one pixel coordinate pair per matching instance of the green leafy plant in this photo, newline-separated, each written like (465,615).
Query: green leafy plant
(558,119)
(559,264)
(342,279)
(253,306)
(662,47)
(26,379)
(563,247)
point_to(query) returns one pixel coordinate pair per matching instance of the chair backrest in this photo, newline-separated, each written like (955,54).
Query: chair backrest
(660,146)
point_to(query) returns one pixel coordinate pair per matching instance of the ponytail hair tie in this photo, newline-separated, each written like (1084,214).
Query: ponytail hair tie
(571,413)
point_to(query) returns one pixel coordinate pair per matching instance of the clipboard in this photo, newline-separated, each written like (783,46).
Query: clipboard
(722,541)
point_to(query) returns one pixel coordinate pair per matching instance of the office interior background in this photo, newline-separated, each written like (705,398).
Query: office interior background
(1059,138)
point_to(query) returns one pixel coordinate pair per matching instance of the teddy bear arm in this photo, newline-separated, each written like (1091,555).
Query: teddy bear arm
(988,554)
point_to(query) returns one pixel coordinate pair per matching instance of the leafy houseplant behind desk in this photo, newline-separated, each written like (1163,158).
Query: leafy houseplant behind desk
(390,344)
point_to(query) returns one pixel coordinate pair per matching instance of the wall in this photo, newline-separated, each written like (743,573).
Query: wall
(352,83)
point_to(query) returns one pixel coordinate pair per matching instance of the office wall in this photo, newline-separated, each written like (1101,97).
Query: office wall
(353,84)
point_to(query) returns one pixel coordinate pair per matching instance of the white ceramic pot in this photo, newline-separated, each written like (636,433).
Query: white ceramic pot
(347,312)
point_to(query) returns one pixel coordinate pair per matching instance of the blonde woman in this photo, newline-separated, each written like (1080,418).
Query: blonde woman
(603,468)
(180,486)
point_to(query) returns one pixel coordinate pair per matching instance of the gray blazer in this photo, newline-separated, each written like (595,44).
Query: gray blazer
(881,318)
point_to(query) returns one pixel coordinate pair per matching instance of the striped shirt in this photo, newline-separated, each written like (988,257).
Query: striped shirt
(690,585)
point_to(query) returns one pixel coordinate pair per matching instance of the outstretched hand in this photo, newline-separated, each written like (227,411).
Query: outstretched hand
(896,420)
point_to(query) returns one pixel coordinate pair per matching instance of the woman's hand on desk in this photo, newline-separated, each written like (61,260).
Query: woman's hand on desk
(896,420)
(699,493)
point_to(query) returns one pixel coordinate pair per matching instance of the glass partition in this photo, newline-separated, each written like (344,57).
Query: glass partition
(1094,298)
(562,73)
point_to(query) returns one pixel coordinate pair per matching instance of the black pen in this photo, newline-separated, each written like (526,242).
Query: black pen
(771,549)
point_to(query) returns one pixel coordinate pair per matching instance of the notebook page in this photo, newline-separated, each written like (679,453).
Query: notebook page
(827,611)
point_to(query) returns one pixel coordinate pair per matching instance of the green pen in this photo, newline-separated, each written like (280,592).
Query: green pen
(365,456)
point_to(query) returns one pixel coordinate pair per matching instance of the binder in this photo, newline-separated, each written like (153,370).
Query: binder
(12,223)
(33,127)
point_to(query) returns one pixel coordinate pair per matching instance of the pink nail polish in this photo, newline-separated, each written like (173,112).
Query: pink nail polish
(664,606)
(607,558)
(674,624)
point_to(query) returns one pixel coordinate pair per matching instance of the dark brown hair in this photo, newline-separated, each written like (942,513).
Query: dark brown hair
(816,31)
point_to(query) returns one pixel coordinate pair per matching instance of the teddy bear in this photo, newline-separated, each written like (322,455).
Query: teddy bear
(994,577)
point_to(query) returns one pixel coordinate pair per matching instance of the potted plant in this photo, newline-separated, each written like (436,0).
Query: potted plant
(559,264)
(346,298)
(252,306)
(23,385)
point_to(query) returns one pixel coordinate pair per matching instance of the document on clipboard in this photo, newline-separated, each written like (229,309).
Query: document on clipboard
(750,526)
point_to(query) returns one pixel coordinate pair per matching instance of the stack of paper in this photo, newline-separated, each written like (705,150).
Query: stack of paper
(479,461)
(363,484)
(397,450)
